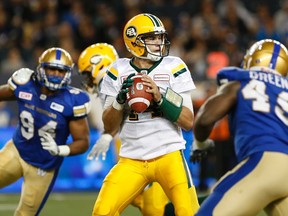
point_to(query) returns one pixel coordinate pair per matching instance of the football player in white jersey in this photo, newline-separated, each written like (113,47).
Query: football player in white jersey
(49,111)
(152,141)
(92,64)
(256,99)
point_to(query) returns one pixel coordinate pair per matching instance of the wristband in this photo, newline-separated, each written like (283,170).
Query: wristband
(171,105)
(117,105)
(63,150)
(202,145)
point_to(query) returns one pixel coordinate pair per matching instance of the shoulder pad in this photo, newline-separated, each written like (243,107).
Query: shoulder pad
(22,76)
(83,106)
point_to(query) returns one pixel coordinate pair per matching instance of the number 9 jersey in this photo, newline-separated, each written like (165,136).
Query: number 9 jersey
(39,113)
(259,121)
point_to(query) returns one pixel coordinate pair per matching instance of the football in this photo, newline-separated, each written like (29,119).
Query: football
(138,99)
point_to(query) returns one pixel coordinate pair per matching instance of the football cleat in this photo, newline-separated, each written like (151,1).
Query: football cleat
(269,54)
(55,58)
(144,26)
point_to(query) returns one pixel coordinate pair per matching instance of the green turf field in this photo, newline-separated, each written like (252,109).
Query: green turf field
(63,204)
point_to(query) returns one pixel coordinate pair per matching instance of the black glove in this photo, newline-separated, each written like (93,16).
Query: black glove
(122,95)
(197,154)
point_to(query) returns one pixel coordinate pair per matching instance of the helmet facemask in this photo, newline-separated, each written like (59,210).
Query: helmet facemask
(164,45)
(53,82)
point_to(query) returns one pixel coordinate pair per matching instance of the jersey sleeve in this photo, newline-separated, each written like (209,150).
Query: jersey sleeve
(81,103)
(109,86)
(182,80)
(228,74)
(111,83)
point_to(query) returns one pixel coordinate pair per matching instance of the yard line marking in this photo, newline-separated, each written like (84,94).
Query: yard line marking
(5,207)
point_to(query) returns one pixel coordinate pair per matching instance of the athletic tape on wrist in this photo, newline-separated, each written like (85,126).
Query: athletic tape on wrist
(63,150)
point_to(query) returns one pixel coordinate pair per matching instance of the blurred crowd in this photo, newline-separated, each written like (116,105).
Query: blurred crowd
(206,34)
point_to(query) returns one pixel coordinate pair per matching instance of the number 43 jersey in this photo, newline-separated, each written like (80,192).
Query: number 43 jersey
(259,121)
(39,113)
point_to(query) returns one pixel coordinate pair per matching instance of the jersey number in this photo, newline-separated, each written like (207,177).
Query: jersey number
(27,128)
(256,91)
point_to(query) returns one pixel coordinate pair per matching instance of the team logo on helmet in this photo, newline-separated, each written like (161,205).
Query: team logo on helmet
(96,59)
(131,32)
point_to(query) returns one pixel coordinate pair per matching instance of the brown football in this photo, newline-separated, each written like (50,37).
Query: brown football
(138,99)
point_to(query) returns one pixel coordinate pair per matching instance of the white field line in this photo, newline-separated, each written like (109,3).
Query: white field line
(8,207)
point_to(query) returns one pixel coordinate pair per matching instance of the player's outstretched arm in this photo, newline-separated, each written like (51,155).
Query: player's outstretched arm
(215,108)
(6,93)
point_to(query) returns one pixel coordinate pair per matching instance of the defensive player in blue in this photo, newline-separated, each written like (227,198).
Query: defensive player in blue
(49,111)
(256,99)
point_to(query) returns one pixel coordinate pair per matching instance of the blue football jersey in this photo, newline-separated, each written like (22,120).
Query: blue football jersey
(259,121)
(39,113)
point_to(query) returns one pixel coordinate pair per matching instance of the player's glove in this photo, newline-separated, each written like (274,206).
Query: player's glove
(100,147)
(49,144)
(122,95)
(200,150)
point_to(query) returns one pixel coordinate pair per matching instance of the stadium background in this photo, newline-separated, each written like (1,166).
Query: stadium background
(206,34)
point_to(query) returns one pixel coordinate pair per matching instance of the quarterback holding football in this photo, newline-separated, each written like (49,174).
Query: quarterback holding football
(152,140)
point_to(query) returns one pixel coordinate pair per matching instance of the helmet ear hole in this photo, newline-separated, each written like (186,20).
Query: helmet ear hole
(134,44)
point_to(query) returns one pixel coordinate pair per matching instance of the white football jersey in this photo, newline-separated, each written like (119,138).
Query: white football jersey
(145,135)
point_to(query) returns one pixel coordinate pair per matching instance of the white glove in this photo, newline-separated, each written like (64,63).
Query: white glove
(49,144)
(100,147)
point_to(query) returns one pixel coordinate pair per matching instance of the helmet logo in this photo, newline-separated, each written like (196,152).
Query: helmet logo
(139,86)
(96,59)
(131,32)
